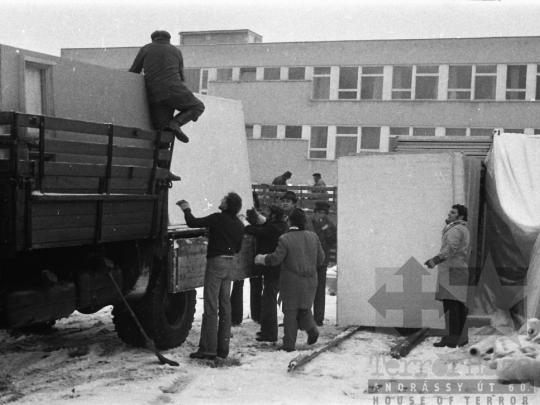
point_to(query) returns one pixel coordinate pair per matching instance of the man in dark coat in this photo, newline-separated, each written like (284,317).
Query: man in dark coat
(326,230)
(224,241)
(299,252)
(282,180)
(164,77)
(267,236)
(452,262)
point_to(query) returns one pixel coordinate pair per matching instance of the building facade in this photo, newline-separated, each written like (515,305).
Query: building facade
(306,104)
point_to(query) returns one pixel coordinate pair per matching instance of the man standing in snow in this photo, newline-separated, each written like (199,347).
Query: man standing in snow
(453,277)
(299,252)
(164,77)
(224,241)
(326,230)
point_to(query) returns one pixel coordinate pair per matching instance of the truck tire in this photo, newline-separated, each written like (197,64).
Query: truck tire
(165,317)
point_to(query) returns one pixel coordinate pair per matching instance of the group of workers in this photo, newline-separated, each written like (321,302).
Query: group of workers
(292,257)
(292,249)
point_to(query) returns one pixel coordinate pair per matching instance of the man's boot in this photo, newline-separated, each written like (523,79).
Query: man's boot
(173,177)
(178,121)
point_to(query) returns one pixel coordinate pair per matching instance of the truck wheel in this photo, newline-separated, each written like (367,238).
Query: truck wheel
(166,318)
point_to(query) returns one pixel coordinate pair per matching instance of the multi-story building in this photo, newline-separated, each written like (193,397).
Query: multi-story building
(308,103)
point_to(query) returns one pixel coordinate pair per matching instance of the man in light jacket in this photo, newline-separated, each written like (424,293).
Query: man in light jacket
(453,277)
(299,252)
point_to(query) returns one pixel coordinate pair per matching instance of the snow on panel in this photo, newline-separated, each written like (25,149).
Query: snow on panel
(392,209)
(214,161)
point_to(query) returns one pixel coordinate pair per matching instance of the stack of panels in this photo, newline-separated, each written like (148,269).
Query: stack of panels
(477,146)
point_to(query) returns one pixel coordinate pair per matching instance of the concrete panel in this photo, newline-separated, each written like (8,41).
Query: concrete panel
(79,90)
(269,158)
(214,161)
(392,209)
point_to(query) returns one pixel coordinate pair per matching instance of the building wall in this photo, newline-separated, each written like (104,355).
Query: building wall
(281,155)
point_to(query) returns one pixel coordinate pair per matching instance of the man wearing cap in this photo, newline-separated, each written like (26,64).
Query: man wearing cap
(289,202)
(282,180)
(267,235)
(164,78)
(318,182)
(326,230)
(299,252)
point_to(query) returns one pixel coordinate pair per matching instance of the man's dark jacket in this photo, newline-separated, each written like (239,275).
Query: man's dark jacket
(267,236)
(226,231)
(163,67)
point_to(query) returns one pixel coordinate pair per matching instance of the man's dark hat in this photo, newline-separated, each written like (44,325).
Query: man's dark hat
(317,175)
(287,174)
(160,35)
(297,217)
(322,206)
(289,195)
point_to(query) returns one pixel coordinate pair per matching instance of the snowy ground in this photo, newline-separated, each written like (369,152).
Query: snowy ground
(84,362)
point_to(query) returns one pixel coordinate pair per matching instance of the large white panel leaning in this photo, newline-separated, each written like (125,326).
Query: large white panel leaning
(214,161)
(392,209)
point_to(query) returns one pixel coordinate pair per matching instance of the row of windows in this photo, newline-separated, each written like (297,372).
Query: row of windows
(331,142)
(414,82)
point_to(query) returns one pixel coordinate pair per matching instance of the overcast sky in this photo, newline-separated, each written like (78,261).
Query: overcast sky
(49,25)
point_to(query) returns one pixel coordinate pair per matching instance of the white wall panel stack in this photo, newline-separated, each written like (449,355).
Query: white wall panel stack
(392,209)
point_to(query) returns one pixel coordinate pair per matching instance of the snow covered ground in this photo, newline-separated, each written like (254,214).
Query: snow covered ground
(84,362)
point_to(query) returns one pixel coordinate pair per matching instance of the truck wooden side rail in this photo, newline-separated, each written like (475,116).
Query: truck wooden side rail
(79,200)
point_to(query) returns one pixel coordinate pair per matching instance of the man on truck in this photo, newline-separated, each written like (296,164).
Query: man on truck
(224,241)
(164,78)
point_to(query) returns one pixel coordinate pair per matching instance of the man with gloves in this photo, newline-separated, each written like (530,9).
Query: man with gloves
(267,236)
(453,276)
(299,252)
(224,241)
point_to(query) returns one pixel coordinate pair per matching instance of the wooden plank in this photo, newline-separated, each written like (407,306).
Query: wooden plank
(93,170)
(5,117)
(82,221)
(92,197)
(121,206)
(98,149)
(5,165)
(91,184)
(122,230)
(137,133)
(62,235)
(63,209)
(61,124)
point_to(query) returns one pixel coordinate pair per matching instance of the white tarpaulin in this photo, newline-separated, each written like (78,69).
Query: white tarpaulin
(512,224)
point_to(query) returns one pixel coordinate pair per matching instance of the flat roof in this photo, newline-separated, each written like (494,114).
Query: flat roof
(217,32)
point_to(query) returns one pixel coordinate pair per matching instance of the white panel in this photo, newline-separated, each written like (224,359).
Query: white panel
(33,94)
(392,209)
(214,161)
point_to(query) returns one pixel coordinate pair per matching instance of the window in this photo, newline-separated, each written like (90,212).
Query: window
(346,141)
(348,83)
(537,83)
(36,93)
(459,82)
(537,131)
(321,83)
(33,89)
(401,83)
(249,131)
(371,138)
(516,81)
(427,83)
(514,131)
(268,131)
(371,83)
(318,142)
(204,81)
(399,131)
(297,73)
(485,82)
(481,131)
(193,79)
(271,73)
(248,74)
(224,74)
(456,131)
(423,131)
(293,132)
